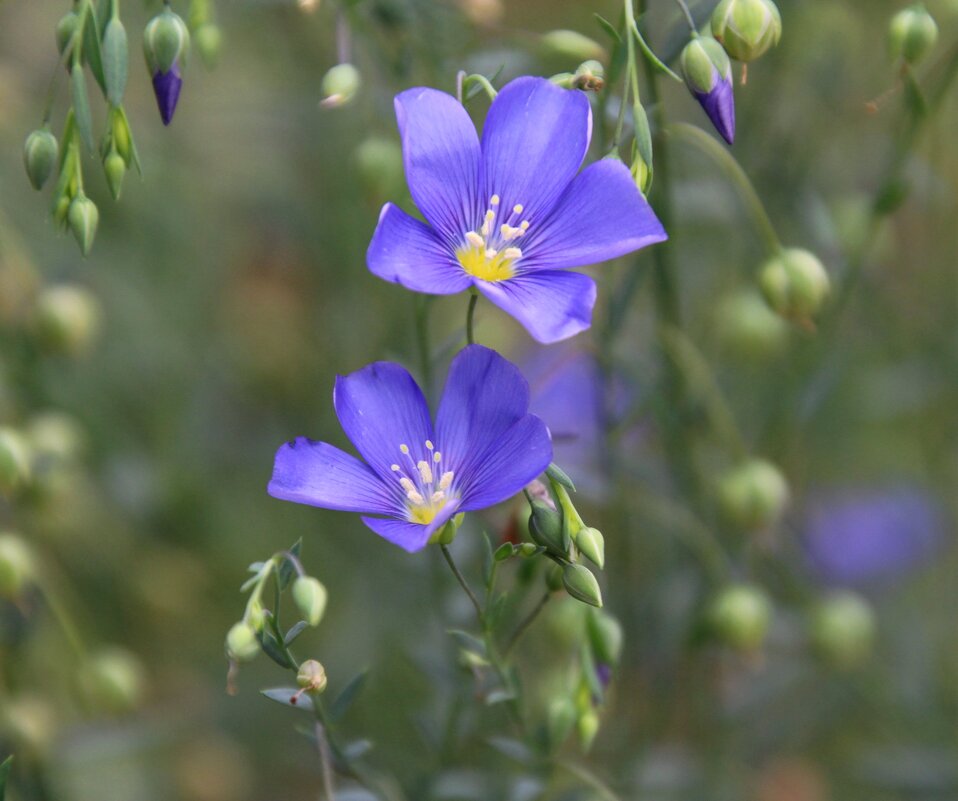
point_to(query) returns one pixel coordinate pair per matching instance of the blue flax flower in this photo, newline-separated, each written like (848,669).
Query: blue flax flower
(483,448)
(510,214)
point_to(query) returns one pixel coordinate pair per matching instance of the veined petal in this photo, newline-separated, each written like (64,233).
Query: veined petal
(441,156)
(484,396)
(408,253)
(319,474)
(411,536)
(601,216)
(533,143)
(551,304)
(381,408)
(508,464)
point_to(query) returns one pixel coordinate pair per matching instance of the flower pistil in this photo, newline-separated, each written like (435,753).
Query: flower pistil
(426,485)
(487,253)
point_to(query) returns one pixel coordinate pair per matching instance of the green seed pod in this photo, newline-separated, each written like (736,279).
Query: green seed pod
(122,137)
(741,616)
(912,34)
(747,28)
(16,565)
(753,495)
(209,41)
(588,728)
(581,584)
(113,680)
(795,284)
(83,218)
(40,153)
(65,29)
(340,85)
(560,718)
(571,46)
(312,677)
(545,528)
(15,460)
(310,597)
(115,169)
(748,329)
(591,544)
(605,637)
(165,41)
(241,642)
(843,630)
(66,319)
(380,166)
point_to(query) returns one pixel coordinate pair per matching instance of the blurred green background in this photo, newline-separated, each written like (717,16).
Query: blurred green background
(231,289)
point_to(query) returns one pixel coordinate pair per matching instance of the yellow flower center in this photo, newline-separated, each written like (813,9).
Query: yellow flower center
(425,484)
(487,254)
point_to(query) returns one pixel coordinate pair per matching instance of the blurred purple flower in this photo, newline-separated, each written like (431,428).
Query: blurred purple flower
(484,448)
(166,87)
(872,534)
(509,215)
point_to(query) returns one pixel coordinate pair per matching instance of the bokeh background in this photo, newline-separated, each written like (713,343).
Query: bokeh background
(228,290)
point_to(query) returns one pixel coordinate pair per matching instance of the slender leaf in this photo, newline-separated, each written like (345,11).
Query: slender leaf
(294,632)
(560,476)
(608,27)
(92,54)
(116,61)
(468,642)
(4,774)
(272,649)
(345,699)
(286,569)
(286,696)
(81,107)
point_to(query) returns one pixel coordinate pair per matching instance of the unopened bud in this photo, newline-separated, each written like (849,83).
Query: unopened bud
(340,85)
(795,284)
(641,149)
(554,578)
(753,495)
(590,76)
(605,637)
(527,549)
(571,46)
(16,565)
(505,551)
(83,218)
(14,460)
(591,544)
(708,75)
(113,679)
(165,41)
(122,138)
(311,676)
(66,319)
(912,34)
(241,642)
(747,28)
(843,630)
(581,584)
(588,728)
(310,597)
(40,156)
(65,29)
(209,41)
(115,169)
(545,528)
(741,616)
(748,328)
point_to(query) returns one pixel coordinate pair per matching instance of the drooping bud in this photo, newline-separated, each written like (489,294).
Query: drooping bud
(795,284)
(590,76)
(241,642)
(66,319)
(605,637)
(83,218)
(591,544)
(641,149)
(748,328)
(753,495)
(166,88)
(912,34)
(505,551)
(209,41)
(165,41)
(121,135)
(65,29)
(843,630)
(571,46)
(16,565)
(741,616)
(15,460)
(340,85)
(115,169)
(554,578)
(546,529)
(746,28)
(40,156)
(708,75)
(581,584)
(310,597)
(312,676)
(113,679)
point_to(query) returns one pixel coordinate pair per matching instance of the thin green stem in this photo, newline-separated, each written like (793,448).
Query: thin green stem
(688,16)
(527,621)
(64,621)
(447,555)
(470,317)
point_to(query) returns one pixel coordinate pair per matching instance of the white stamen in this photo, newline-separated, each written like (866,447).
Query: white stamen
(490,253)
(394,467)
(437,496)
(517,208)
(512,253)
(524,226)
(425,471)
(446,481)
(404,449)
(407,485)
(475,239)
(429,445)
(437,457)
(494,200)
(416,498)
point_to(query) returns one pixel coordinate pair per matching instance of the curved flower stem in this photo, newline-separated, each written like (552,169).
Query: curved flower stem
(447,555)
(688,16)
(705,143)
(470,318)
(527,621)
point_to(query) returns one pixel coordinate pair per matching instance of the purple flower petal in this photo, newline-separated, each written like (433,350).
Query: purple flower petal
(441,155)
(318,474)
(381,408)
(719,104)
(484,396)
(601,216)
(408,253)
(411,537)
(552,305)
(508,464)
(166,87)
(533,143)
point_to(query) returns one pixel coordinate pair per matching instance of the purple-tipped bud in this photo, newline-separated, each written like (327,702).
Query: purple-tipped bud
(719,104)
(708,75)
(166,87)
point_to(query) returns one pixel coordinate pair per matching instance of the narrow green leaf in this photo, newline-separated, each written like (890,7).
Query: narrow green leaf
(135,154)
(559,475)
(487,559)
(92,54)
(271,648)
(467,641)
(286,569)
(4,774)
(116,60)
(608,27)
(286,696)
(294,632)
(345,699)
(81,107)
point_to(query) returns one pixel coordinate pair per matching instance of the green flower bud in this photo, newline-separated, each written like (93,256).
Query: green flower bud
(66,319)
(65,29)
(83,218)
(581,584)
(554,578)
(16,565)
(122,137)
(380,166)
(505,551)
(527,549)
(588,728)
(605,637)
(571,46)
(15,460)
(61,209)
(340,85)
(746,28)
(741,616)
(591,544)
(703,60)
(165,41)
(545,528)
(795,284)
(912,34)
(560,718)
(115,169)
(843,630)
(310,597)
(311,676)
(113,679)
(209,42)
(590,76)
(753,495)
(241,642)
(748,329)
(40,156)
